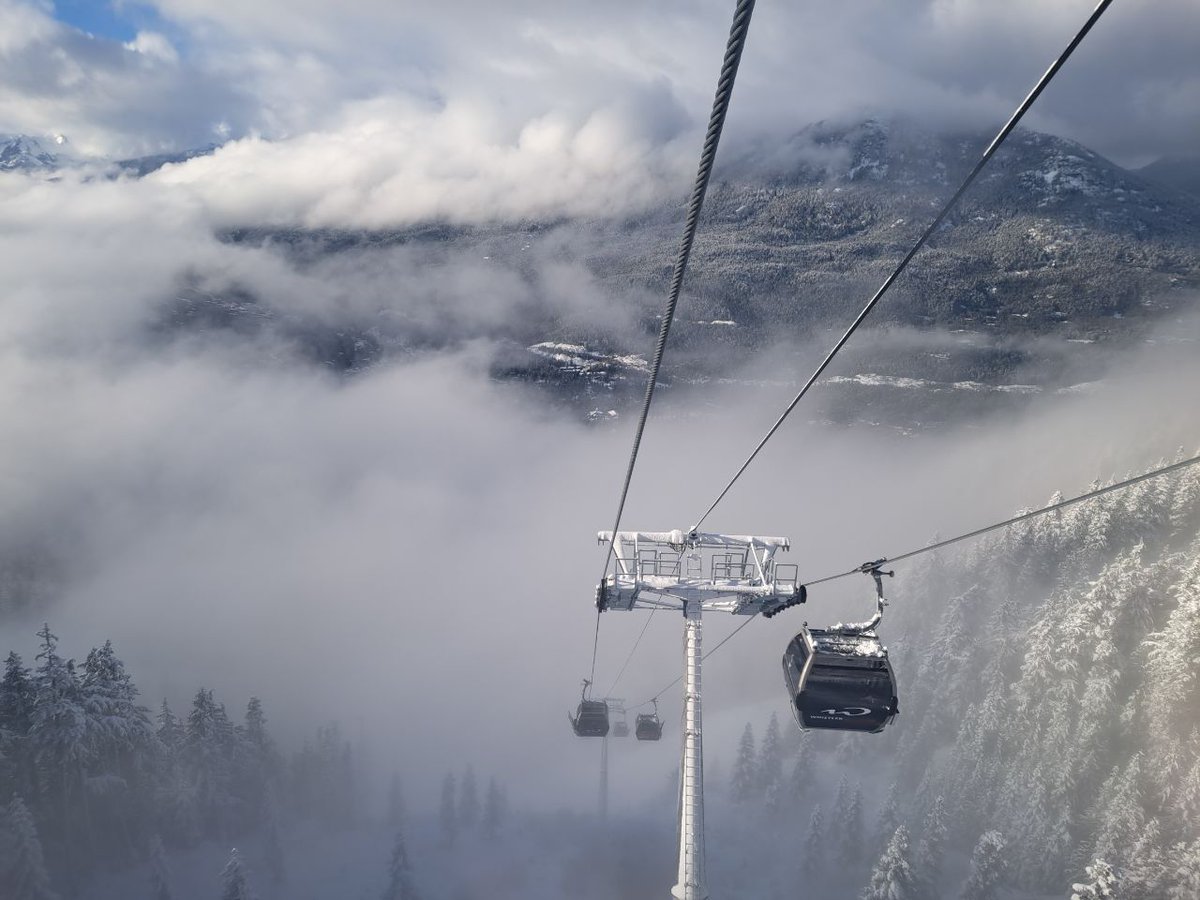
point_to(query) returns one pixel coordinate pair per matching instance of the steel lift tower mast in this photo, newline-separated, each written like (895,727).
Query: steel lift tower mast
(696,572)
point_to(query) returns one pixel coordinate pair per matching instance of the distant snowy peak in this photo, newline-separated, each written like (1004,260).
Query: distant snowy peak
(27,153)
(906,154)
(22,152)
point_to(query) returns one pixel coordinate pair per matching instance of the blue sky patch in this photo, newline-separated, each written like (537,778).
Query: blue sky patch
(115,21)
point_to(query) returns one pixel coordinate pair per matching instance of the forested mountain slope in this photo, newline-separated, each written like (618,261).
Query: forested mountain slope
(1059,699)
(1050,701)
(1053,240)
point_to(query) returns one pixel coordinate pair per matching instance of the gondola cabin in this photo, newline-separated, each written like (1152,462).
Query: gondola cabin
(620,728)
(591,719)
(840,680)
(647,727)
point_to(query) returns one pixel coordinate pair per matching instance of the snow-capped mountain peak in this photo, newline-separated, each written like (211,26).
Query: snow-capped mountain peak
(27,153)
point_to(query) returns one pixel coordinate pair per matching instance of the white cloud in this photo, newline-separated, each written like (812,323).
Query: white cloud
(154,45)
(283,69)
(110,99)
(397,163)
(234,518)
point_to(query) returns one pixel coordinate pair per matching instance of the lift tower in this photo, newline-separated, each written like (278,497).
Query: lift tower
(696,572)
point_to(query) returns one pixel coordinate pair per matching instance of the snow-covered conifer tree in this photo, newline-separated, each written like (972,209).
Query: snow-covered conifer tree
(931,849)
(493,810)
(168,729)
(769,772)
(160,872)
(258,763)
(118,724)
(1185,504)
(264,756)
(395,802)
(1120,812)
(449,811)
(943,677)
(209,755)
(892,877)
(468,801)
(801,774)
(1146,866)
(16,718)
(1171,681)
(120,741)
(744,775)
(272,849)
(848,825)
(58,739)
(1185,879)
(23,873)
(400,880)
(174,794)
(888,820)
(774,799)
(988,864)
(1100,883)
(234,884)
(332,777)
(16,696)
(1188,802)
(816,847)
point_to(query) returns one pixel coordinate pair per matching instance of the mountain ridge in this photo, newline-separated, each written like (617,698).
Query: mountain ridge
(1053,241)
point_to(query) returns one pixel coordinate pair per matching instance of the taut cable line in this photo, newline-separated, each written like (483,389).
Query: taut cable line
(716,124)
(641,634)
(1023,517)
(869,567)
(933,226)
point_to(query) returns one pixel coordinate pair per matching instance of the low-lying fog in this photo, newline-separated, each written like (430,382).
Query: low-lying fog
(410,550)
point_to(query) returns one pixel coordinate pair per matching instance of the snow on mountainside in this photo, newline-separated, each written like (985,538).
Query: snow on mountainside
(21,152)
(26,153)
(579,358)
(1053,241)
(1058,702)
(1049,696)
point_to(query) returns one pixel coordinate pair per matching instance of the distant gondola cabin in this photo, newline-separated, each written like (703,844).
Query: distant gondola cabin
(591,719)
(648,727)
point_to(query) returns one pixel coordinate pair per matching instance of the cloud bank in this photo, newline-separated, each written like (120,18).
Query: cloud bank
(374,114)
(411,550)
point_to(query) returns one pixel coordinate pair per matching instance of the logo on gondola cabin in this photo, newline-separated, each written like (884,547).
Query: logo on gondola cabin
(848,711)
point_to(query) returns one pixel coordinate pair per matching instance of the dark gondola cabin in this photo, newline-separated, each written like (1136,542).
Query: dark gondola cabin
(591,719)
(648,727)
(840,679)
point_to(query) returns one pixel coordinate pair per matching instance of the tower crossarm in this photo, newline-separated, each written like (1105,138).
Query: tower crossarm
(722,572)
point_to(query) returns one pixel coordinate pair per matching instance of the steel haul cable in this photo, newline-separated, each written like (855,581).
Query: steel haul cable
(1023,517)
(725,84)
(721,644)
(625,665)
(953,201)
(716,123)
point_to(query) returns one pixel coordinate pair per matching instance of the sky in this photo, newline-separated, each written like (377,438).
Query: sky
(129,77)
(411,550)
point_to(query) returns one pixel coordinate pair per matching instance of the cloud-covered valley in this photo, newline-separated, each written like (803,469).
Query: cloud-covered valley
(410,533)
(414,533)
(371,114)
